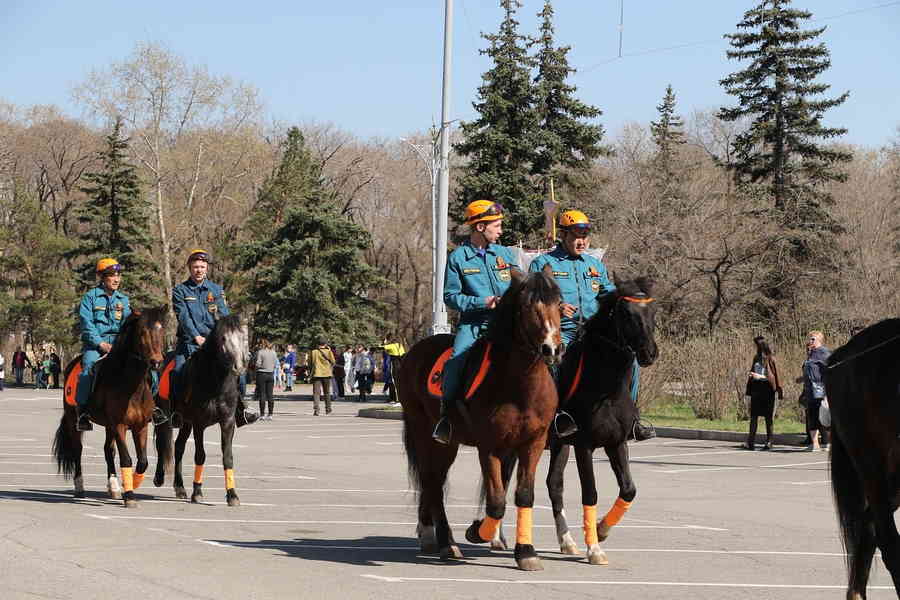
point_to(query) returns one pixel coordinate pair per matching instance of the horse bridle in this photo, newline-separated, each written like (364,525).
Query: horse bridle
(620,343)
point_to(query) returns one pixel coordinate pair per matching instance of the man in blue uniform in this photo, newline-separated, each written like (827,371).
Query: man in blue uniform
(102,311)
(478,272)
(582,281)
(197,302)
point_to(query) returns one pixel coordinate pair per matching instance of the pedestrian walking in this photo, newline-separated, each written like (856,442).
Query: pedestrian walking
(19,362)
(339,372)
(266,363)
(364,368)
(763,386)
(289,363)
(322,360)
(349,373)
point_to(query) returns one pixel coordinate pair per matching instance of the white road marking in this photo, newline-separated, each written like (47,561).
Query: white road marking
(693,470)
(333,437)
(700,584)
(821,482)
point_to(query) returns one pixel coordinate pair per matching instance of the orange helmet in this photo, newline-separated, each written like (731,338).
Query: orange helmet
(198,254)
(108,266)
(574,220)
(483,211)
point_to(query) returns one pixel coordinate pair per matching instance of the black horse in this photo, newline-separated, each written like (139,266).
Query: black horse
(594,383)
(209,393)
(862,383)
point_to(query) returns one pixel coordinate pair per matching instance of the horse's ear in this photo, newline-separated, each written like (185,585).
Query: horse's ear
(646,284)
(616,281)
(548,270)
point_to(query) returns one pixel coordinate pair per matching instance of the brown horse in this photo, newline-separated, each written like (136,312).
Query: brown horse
(507,415)
(123,389)
(862,383)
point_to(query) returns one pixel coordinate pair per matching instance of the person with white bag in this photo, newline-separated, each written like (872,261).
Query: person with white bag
(814,388)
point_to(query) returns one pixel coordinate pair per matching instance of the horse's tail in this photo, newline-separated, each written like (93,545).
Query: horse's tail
(848,498)
(162,436)
(413,467)
(64,449)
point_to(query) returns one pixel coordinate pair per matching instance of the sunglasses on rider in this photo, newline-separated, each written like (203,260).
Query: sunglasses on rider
(493,210)
(579,228)
(111,270)
(199,256)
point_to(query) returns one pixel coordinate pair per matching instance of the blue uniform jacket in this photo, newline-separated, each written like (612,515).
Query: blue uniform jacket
(470,278)
(101,316)
(582,282)
(196,307)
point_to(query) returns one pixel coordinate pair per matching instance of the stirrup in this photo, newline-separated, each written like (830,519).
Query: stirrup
(158,416)
(245,417)
(563,424)
(442,431)
(83,420)
(642,432)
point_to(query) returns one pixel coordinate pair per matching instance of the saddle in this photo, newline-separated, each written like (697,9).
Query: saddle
(70,388)
(472,377)
(165,379)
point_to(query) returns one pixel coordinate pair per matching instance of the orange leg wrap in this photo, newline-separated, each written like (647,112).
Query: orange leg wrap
(488,528)
(198,473)
(229,479)
(138,480)
(616,513)
(524,525)
(128,479)
(590,525)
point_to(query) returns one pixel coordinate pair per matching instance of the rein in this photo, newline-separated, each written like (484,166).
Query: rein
(853,357)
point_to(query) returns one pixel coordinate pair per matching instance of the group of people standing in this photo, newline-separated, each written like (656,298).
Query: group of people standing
(45,368)
(764,387)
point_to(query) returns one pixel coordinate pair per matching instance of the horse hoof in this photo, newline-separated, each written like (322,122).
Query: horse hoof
(532,563)
(428,548)
(498,544)
(451,552)
(115,495)
(196,499)
(234,501)
(568,548)
(181,494)
(131,503)
(596,556)
(159,480)
(79,494)
(472,533)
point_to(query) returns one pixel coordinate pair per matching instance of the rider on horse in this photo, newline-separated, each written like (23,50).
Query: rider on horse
(583,281)
(477,274)
(197,301)
(102,311)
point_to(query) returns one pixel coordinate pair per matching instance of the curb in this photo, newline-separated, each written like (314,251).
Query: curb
(784,439)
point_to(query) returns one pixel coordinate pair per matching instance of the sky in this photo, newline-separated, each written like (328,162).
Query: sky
(373,68)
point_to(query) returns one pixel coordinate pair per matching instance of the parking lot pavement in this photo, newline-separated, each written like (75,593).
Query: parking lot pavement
(326,513)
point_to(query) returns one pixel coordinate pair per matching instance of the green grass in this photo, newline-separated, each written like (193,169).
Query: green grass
(675,414)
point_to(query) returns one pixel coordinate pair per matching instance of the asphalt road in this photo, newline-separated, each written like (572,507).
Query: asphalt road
(326,513)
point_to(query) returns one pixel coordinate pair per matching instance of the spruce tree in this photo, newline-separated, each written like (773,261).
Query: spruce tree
(777,91)
(565,140)
(668,135)
(307,277)
(114,222)
(500,143)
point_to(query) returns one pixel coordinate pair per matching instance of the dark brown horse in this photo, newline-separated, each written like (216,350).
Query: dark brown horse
(862,383)
(507,415)
(123,389)
(207,395)
(594,379)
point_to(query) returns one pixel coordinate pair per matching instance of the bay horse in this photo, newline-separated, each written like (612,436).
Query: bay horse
(594,386)
(862,384)
(123,388)
(507,414)
(208,394)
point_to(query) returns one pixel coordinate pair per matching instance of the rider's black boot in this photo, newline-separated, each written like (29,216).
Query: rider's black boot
(564,424)
(243,416)
(84,419)
(443,430)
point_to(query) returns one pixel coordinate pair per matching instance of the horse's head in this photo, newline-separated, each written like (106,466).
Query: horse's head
(230,338)
(149,334)
(633,314)
(528,314)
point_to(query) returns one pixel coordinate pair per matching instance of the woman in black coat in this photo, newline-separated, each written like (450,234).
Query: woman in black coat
(762,387)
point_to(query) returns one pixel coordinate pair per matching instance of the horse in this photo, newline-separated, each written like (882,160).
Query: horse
(594,386)
(509,409)
(862,384)
(208,394)
(124,388)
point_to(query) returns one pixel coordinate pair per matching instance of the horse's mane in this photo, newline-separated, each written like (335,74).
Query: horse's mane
(523,291)
(131,327)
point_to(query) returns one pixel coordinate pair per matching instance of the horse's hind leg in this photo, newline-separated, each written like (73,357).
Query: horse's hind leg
(885,530)
(425,527)
(183,434)
(228,462)
(559,457)
(127,468)
(109,453)
(199,461)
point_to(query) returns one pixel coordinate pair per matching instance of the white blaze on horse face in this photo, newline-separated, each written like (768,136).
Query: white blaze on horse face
(235,349)
(550,339)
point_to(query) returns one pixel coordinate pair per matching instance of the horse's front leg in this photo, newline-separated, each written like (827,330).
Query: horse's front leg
(228,462)
(109,452)
(618,460)
(559,457)
(140,449)
(199,461)
(584,459)
(529,457)
(183,434)
(126,466)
